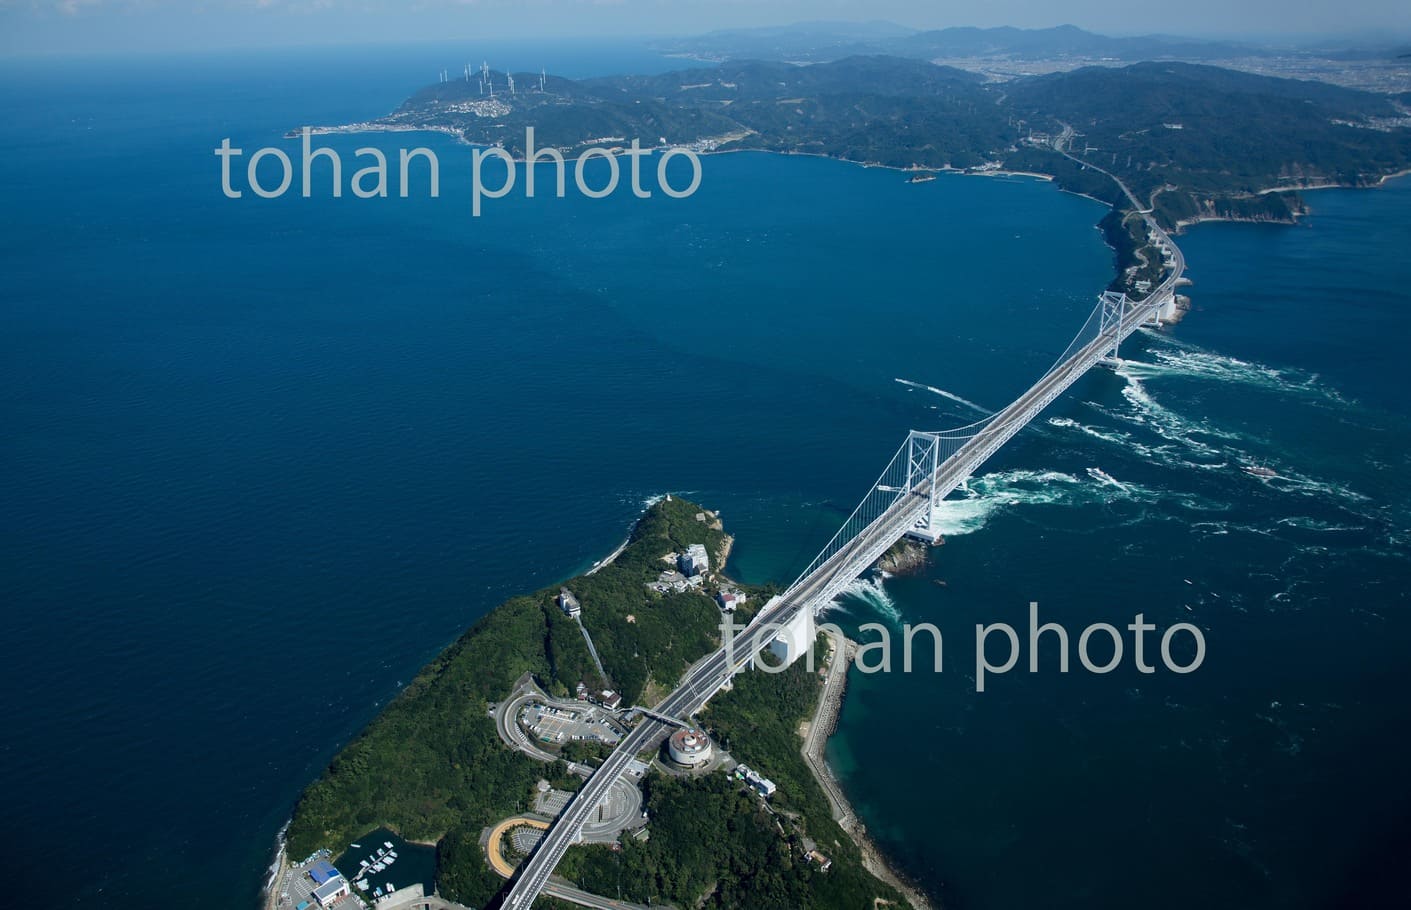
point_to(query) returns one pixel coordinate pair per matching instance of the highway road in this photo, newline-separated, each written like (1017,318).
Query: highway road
(707,676)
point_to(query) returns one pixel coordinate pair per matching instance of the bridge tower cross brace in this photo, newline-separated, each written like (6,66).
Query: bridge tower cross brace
(923,466)
(1116,313)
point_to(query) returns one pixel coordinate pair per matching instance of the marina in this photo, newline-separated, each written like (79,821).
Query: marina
(371,868)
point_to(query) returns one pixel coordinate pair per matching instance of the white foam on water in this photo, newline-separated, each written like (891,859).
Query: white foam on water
(1166,423)
(1304,523)
(991,494)
(1181,358)
(1165,454)
(1102,476)
(871,590)
(1289,481)
(1192,443)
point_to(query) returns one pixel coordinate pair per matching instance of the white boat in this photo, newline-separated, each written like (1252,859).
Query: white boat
(387,844)
(378,867)
(391,887)
(392,853)
(356,846)
(377,893)
(363,885)
(389,860)
(364,863)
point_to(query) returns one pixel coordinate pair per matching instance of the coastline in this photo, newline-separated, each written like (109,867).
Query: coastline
(372,127)
(820,729)
(827,713)
(1368,184)
(611,557)
(277,869)
(1180,226)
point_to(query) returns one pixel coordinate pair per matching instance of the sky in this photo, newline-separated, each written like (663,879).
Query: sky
(87,26)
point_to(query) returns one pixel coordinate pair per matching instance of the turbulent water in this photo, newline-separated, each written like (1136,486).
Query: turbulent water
(264,459)
(1271,777)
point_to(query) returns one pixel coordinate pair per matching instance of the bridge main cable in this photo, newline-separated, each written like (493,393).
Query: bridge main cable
(896,514)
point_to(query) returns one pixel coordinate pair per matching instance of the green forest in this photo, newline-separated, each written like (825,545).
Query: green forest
(433,768)
(713,836)
(1208,140)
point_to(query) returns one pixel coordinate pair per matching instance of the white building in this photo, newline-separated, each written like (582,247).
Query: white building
(730,600)
(689,748)
(694,561)
(762,785)
(794,640)
(569,604)
(669,580)
(331,891)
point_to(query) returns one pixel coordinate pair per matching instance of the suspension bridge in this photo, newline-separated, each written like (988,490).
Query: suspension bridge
(903,502)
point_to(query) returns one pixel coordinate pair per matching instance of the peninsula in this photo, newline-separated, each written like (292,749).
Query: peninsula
(486,745)
(1191,142)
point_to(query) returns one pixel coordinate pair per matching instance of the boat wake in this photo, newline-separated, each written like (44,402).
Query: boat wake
(949,395)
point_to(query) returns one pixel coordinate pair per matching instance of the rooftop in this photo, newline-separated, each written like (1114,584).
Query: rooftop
(322,871)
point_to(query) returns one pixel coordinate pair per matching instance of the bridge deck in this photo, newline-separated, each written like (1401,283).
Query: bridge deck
(829,577)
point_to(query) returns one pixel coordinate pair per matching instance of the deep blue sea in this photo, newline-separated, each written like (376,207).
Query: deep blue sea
(262,459)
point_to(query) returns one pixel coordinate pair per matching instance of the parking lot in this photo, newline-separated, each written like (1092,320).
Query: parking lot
(298,887)
(558,725)
(526,839)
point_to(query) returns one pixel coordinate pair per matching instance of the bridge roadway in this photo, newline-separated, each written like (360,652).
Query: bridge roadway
(707,676)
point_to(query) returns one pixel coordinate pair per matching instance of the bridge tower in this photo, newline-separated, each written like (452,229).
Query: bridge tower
(1116,314)
(924,456)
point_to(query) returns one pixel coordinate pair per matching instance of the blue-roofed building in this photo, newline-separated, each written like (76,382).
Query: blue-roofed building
(322,872)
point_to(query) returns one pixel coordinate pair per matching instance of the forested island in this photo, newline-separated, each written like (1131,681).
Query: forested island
(434,769)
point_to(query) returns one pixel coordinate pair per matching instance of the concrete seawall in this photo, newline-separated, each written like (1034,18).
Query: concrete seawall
(823,725)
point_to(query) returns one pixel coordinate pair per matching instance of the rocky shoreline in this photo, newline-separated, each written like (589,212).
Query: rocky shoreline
(823,725)
(906,557)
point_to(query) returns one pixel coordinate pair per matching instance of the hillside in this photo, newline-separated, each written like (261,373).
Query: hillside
(1206,131)
(1203,140)
(433,768)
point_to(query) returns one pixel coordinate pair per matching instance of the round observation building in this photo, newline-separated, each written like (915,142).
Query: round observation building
(689,748)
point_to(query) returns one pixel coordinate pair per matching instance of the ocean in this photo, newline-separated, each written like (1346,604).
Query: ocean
(265,458)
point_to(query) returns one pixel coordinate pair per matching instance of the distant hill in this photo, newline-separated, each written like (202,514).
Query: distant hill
(1215,131)
(1060,42)
(800,41)
(1195,137)
(820,42)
